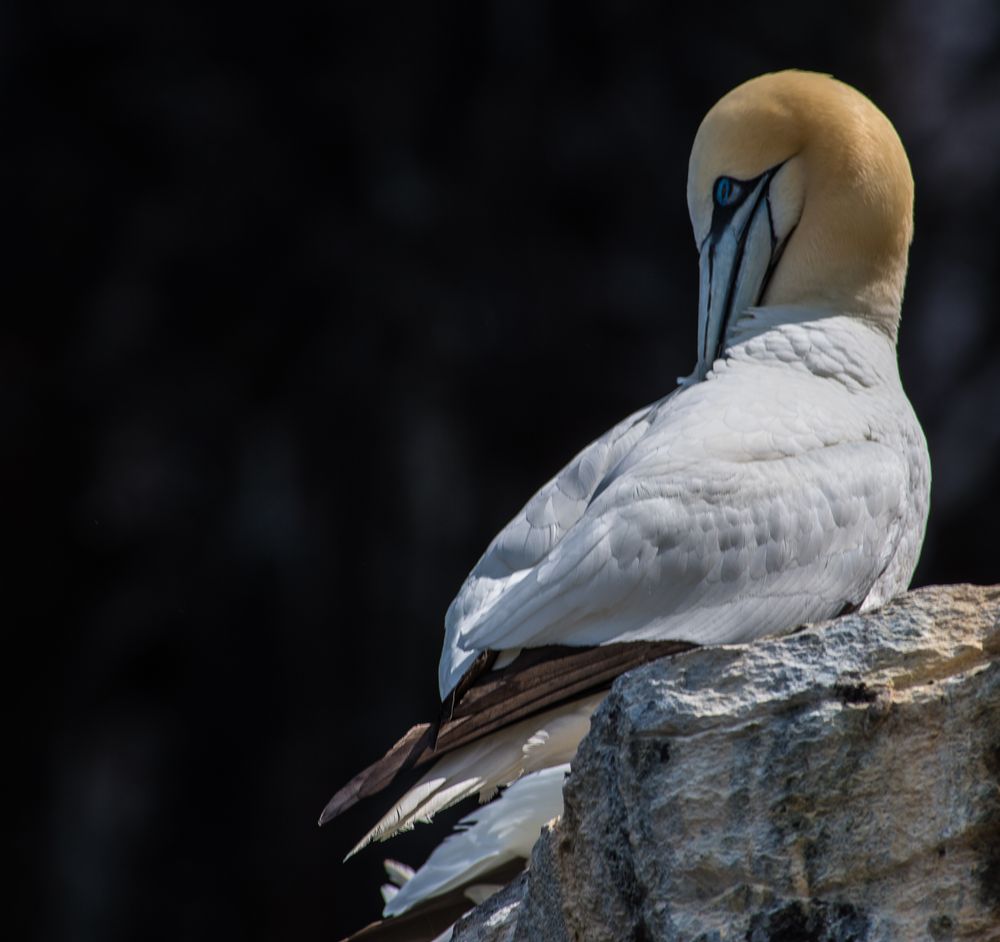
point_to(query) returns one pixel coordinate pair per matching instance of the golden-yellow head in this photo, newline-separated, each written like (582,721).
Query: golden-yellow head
(800,193)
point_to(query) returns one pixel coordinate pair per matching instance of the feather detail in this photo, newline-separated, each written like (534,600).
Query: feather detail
(494,834)
(486,701)
(494,761)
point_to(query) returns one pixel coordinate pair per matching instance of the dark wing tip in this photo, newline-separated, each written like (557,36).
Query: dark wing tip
(379,774)
(344,799)
(486,700)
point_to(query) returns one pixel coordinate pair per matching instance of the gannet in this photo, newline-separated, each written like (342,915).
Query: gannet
(784,481)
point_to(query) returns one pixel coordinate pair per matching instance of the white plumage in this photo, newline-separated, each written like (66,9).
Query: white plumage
(785,481)
(775,492)
(789,484)
(484,840)
(480,769)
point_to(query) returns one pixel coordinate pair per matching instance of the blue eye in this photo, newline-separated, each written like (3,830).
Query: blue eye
(727,191)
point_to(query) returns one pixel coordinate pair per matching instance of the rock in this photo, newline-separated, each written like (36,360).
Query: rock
(841,783)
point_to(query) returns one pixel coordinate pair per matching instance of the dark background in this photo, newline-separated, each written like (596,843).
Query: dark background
(309,300)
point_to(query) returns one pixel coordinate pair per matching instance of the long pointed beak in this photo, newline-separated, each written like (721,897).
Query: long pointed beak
(737,258)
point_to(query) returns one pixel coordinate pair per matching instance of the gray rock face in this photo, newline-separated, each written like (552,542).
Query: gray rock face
(842,783)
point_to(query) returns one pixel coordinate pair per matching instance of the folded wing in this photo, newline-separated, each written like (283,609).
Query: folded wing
(726,519)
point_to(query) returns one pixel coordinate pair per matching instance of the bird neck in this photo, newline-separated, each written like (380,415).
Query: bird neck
(828,343)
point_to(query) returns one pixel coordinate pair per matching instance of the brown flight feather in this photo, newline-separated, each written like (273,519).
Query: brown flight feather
(485,701)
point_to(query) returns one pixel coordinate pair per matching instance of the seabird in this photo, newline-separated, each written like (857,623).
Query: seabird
(786,480)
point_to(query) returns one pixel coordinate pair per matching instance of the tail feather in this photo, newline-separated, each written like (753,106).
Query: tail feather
(431,919)
(496,834)
(540,742)
(377,776)
(496,694)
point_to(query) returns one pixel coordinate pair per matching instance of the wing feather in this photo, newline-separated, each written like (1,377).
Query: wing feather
(491,836)
(722,518)
(530,536)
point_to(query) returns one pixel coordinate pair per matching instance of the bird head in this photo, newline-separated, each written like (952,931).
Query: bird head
(800,193)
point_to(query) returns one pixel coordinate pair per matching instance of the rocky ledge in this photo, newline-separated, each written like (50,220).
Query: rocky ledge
(841,783)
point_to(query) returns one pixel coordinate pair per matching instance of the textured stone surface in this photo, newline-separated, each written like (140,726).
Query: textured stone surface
(842,783)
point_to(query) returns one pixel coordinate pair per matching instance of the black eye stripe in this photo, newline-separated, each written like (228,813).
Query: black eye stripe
(728,192)
(722,216)
(728,195)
